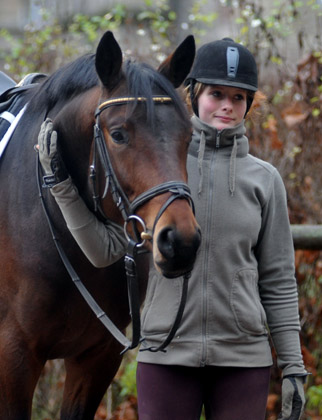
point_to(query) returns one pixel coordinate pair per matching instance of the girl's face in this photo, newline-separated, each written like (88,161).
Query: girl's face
(222,106)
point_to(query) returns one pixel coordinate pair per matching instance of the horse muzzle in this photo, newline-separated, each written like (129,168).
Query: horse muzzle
(175,253)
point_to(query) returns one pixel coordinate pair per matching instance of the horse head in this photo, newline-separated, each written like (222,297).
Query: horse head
(144,132)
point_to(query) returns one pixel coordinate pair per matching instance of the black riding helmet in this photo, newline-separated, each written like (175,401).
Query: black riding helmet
(224,62)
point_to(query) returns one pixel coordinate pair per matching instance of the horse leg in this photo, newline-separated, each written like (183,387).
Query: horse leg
(87,379)
(19,372)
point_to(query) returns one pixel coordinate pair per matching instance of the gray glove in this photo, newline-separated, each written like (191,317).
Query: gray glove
(293,399)
(49,156)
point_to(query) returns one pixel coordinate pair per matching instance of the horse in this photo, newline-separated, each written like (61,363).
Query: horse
(42,314)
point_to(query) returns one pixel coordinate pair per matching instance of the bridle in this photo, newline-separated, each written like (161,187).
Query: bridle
(177,189)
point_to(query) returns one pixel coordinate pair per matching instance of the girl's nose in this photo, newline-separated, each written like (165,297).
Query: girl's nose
(227,103)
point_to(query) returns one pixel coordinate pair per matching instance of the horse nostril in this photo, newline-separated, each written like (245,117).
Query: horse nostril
(166,243)
(172,245)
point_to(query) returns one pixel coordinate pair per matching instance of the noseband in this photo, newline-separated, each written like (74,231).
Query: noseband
(177,189)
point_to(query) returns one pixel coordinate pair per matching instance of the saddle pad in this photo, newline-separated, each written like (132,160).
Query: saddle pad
(13,104)
(14,122)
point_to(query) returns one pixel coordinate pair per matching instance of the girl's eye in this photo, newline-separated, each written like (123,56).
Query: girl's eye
(216,93)
(240,97)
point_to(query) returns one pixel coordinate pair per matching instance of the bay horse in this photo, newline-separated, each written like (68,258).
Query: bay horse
(42,315)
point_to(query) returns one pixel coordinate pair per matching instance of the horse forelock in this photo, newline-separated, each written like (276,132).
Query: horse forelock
(144,81)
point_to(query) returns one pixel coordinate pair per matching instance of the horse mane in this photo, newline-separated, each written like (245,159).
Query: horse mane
(80,76)
(65,83)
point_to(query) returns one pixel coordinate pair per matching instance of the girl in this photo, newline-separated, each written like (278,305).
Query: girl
(242,290)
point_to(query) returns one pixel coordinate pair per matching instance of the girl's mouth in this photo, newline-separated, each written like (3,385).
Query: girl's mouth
(224,118)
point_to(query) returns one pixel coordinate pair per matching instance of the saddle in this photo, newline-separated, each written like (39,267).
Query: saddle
(12,99)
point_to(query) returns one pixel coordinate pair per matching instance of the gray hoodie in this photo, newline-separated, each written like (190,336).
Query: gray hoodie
(242,288)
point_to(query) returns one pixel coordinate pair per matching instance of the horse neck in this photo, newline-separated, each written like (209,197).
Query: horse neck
(75,126)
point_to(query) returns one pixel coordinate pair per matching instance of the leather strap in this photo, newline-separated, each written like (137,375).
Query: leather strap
(177,320)
(100,314)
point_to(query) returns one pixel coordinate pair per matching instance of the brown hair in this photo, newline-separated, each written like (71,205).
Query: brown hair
(260,100)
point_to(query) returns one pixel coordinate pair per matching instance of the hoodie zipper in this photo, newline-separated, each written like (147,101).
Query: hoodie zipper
(218,139)
(204,281)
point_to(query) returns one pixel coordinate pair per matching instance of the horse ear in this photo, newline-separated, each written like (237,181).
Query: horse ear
(177,66)
(108,60)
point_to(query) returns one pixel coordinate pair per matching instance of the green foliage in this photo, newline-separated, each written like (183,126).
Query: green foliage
(314,398)
(93,26)
(199,21)
(49,392)
(262,28)
(127,380)
(50,45)
(159,23)
(203,417)
(310,291)
(44,48)
(33,50)
(159,20)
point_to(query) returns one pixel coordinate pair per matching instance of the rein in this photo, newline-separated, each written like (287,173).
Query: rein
(178,190)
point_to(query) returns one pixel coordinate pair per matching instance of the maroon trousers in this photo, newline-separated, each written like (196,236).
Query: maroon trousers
(179,392)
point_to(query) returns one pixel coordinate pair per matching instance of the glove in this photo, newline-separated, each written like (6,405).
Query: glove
(49,156)
(293,399)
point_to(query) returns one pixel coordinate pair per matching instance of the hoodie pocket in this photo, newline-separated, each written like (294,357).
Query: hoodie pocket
(161,305)
(246,304)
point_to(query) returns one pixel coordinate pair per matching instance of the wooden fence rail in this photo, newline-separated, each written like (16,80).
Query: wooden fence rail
(307,236)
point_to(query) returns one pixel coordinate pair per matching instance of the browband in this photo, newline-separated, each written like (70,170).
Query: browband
(127,99)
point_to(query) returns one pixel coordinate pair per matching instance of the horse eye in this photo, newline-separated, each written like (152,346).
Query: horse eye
(119,136)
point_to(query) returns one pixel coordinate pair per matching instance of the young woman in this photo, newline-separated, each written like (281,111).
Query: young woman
(242,290)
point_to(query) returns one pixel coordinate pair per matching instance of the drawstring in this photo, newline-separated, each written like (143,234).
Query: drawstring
(232,168)
(201,153)
(232,163)
(229,141)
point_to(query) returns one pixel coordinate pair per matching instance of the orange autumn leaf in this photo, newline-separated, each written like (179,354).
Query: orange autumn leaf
(271,126)
(294,114)
(271,402)
(126,410)
(309,360)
